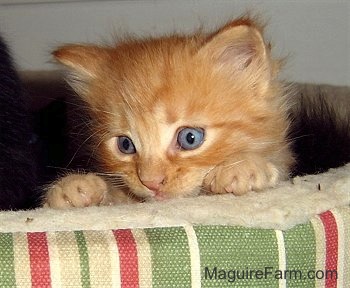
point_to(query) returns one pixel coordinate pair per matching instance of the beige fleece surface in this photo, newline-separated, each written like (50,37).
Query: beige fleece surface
(292,202)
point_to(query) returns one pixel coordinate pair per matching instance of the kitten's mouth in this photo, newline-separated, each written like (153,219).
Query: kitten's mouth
(163,193)
(160,197)
(163,196)
(150,195)
(157,196)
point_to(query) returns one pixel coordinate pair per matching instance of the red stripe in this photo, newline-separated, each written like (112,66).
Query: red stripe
(39,259)
(331,233)
(128,258)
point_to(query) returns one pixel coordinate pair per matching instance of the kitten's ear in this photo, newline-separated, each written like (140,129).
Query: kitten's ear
(84,60)
(239,46)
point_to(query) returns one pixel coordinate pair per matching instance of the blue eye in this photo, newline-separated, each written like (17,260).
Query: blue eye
(125,145)
(190,138)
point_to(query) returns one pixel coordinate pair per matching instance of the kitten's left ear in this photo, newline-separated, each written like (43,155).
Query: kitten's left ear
(239,47)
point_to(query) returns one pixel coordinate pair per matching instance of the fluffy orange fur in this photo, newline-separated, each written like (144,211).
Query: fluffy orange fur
(148,90)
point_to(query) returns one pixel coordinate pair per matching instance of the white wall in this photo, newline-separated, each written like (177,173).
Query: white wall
(316,34)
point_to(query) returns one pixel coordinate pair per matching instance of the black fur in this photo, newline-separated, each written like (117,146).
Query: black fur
(320,133)
(17,162)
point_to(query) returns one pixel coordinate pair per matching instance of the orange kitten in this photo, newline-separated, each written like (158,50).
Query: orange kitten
(179,115)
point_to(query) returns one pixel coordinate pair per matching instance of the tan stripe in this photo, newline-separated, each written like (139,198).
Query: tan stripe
(144,258)
(99,258)
(346,217)
(342,216)
(195,257)
(68,254)
(22,263)
(320,249)
(340,266)
(114,256)
(282,283)
(55,267)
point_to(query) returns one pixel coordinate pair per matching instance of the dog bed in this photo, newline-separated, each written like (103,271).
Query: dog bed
(294,235)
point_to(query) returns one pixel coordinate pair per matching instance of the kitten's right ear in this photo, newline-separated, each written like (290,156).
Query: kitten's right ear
(84,60)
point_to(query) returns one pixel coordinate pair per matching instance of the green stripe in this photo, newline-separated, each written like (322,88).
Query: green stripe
(237,256)
(7,268)
(84,259)
(300,244)
(171,264)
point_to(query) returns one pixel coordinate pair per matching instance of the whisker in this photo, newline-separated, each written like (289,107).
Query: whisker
(119,182)
(84,107)
(110,174)
(97,146)
(82,144)
(119,185)
(234,164)
(61,168)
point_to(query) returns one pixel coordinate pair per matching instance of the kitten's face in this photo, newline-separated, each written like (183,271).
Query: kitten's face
(168,111)
(169,124)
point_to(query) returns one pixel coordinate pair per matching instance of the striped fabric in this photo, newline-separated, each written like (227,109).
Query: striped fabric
(315,254)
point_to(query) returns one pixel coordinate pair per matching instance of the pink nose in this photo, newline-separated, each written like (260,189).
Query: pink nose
(153,185)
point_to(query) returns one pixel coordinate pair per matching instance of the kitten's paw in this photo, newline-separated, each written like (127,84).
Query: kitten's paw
(77,190)
(242,176)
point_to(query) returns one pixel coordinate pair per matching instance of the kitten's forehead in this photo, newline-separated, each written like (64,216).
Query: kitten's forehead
(155,129)
(169,115)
